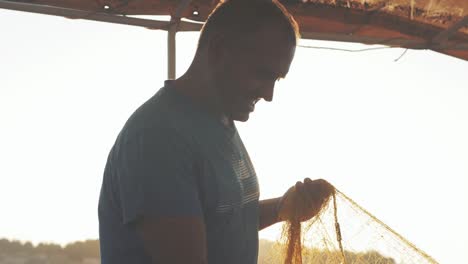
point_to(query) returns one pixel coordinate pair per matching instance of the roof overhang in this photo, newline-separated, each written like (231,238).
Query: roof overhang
(441,27)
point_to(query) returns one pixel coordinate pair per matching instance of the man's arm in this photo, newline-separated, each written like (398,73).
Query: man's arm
(160,196)
(268,212)
(175,240)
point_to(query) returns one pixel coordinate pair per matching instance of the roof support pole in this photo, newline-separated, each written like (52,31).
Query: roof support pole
(171,38)
(171,52)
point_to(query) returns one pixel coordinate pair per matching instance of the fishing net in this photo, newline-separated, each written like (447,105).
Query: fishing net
(344,233)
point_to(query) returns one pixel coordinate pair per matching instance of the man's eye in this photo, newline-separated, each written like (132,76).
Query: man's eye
(265,75)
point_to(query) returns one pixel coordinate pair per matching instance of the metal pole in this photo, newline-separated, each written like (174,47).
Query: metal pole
(171,38)
(171,52)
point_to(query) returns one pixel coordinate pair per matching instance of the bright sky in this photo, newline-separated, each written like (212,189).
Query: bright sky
(391,135)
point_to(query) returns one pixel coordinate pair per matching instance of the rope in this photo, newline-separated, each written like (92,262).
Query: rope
(337,228)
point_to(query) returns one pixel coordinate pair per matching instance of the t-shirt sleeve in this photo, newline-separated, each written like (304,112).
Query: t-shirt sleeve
(157,176)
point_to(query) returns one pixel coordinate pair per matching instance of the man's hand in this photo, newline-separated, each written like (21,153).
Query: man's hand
(304,200)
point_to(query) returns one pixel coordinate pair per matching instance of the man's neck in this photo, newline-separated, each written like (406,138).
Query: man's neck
(199,88)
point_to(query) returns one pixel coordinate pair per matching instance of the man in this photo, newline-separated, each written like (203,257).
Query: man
(179,186)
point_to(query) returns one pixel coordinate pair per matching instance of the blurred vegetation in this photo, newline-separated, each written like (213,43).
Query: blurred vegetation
(48,253)
(272,253)
(88,252)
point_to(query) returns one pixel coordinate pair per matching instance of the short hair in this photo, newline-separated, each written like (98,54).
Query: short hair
(238,19)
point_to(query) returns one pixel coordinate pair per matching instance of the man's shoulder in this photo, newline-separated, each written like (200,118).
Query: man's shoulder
(157,113)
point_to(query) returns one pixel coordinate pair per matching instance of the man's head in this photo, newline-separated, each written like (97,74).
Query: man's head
(249,45)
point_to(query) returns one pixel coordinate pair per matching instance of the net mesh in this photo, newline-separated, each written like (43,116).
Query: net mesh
(344,233)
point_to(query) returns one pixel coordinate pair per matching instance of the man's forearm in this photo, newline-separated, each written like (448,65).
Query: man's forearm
(268,212)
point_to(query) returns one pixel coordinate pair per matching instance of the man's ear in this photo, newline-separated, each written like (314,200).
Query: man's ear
(217,50)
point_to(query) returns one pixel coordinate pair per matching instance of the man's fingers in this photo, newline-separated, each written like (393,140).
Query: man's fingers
(306,205)
(301,191)
(307,181)
(311,192)
(322,187)
(326,188)
(313,189)
(318,190)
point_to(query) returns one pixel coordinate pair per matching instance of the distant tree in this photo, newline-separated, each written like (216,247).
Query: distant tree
(28,247)
(79,250)
(48,249)
(59,259)
(7,246)
(49,253)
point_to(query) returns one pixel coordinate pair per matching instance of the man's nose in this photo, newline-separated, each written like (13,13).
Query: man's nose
(267,93)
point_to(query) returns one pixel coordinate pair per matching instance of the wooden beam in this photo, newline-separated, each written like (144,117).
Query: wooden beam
(345,20)
(98,16)
(183,5)
(446,34)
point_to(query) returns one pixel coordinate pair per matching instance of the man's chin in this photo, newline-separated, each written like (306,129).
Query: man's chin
(242,117)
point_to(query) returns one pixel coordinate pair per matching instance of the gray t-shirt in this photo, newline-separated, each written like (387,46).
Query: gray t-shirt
(174,159)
